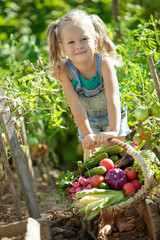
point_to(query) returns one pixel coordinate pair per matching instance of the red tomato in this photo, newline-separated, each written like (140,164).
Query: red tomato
(42,149)
(144,132)
(107,163)
(144,135)
(131,173)
(136,184)
(129,188)
(96,180)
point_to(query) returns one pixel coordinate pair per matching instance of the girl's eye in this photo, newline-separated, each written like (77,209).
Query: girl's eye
(71,42)
(84,39)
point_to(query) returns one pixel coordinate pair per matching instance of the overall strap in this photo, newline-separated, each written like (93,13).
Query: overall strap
(98,66)
(74,73)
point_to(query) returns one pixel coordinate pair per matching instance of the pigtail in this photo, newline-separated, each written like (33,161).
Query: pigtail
(56,57)
(105,45)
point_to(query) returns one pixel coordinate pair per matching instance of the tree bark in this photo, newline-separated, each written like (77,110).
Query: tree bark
(115,10)
(154,76)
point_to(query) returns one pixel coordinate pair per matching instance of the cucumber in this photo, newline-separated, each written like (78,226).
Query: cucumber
(90,163)
(100,170)
(104,185)
(112,150)
(114,158)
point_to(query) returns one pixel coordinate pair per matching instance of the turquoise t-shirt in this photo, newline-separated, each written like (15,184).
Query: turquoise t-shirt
(91,84)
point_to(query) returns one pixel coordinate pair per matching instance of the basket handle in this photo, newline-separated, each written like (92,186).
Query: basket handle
(115,141)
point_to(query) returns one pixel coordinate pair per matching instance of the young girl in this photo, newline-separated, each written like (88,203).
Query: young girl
(83,59)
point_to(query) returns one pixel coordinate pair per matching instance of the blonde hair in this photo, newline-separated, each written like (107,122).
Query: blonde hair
(97,27)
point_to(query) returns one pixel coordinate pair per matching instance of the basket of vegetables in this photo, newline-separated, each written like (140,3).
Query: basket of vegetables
(109,183)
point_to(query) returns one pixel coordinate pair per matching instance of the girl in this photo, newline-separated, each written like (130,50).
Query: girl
(83,59)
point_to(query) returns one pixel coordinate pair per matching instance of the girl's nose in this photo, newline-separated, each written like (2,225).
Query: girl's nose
(79,45)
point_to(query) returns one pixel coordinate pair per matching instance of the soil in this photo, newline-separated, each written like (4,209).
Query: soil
(64,224)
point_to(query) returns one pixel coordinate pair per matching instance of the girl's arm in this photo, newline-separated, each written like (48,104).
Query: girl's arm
(77,110)
(113,99)
(112,94)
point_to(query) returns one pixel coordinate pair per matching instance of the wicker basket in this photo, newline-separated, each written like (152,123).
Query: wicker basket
(145,189)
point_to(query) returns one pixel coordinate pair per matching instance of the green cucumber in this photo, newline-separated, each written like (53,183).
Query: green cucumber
(112,150)
(100,170)
(104,185)
(114,158)
(90,163)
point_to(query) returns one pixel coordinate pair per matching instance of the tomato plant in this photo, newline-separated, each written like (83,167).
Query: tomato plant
(39,98)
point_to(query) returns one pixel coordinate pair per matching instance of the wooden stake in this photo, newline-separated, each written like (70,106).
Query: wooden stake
(17,154)
(10,179)
(154,76)
(27,155)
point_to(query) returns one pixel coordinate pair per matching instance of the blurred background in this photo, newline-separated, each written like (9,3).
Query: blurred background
(36,98)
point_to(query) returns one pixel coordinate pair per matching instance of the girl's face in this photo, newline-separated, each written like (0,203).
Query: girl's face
(77,42)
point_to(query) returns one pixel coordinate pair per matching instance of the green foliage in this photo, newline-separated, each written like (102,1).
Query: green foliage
(153,166)
(39,98)
(137,85)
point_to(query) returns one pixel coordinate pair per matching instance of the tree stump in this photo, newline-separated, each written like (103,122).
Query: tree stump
(149,212)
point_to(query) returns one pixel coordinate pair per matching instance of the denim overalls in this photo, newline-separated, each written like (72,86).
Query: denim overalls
(95,103)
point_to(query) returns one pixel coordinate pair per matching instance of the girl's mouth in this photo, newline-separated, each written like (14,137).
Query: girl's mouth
(80,53)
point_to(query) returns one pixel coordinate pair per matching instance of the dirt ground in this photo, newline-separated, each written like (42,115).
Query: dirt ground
(64,224)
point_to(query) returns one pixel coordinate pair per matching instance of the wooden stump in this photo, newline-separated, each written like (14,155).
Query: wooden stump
(17,154)
(30,229)
(149,212)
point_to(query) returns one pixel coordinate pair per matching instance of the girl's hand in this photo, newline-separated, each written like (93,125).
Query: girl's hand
(88,142)
(102,137)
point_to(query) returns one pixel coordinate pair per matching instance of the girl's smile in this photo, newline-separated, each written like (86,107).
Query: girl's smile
(79,53)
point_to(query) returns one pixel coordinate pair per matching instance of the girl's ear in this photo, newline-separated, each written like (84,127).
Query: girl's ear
(61,47)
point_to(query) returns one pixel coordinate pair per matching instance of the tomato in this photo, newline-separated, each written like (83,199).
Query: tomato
(107,163)
(96,180)
(137,138)
(144,134)
(129,188)
(39,134)
(32,141)
(136,184)
(34,153)
(155,110)
(141,113)
(42,149)
(130,173)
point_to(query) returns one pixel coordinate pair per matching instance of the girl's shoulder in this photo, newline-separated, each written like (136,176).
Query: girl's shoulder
(107,67)
(65,73)
(107,62)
